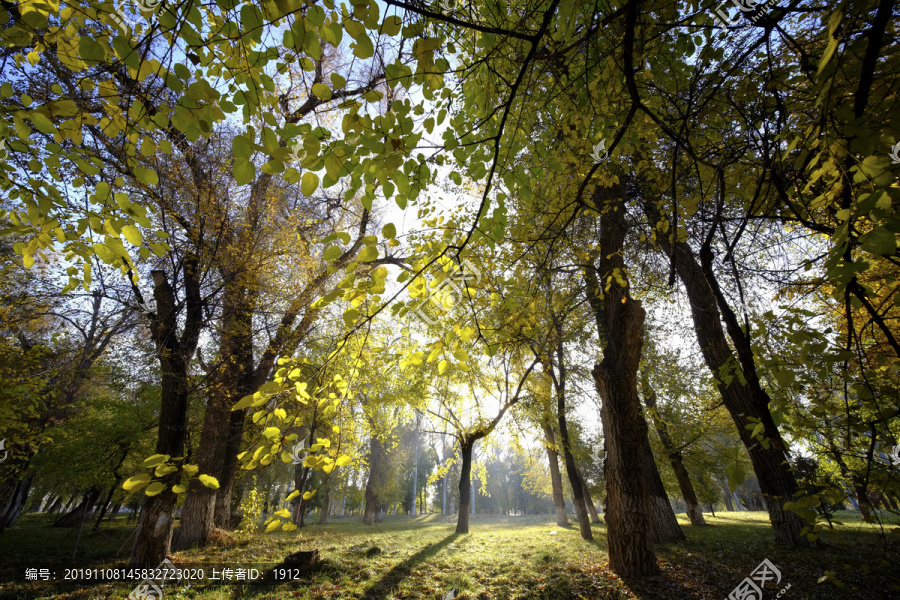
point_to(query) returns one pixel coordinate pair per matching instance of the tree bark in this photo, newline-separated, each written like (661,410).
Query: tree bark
(620,325)
(692,506)
(153,537)
(588,501)
(465,485)
(746,402)
(375,464)
(665,524)
(584,524)
(559,502)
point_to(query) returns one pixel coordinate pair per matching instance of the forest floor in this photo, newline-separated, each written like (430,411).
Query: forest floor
(502,558)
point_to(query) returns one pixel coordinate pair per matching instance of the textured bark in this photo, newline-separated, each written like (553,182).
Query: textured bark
(231,381)
(620,325)
(694,513)
(665,524)
(584,524)
(559,502)
(465,485)
(376,460)
(154,531)
(744,401)
(588,501)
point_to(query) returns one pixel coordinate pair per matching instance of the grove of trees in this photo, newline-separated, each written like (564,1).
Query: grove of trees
(266,263)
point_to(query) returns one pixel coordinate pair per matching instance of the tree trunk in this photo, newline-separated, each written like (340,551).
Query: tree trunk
(465,484)
(80,512)
(747,403)
(153,537)
(665,524)
(726,494)
(15,502)
(620,325)
(692,506)
(326,505)
(559,502)
(584,524)
(375,460)
(114,512)
(588,501)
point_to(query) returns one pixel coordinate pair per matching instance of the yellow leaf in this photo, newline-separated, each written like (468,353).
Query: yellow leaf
(155,488)
(292,495)
(209,481)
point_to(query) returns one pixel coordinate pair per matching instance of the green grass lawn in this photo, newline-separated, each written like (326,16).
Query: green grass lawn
(503,557)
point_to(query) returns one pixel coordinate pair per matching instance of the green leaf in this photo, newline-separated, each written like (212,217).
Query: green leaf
(244,171)
(332,253)
(309,184)
(147,176)
(155,488)
(243,402)
(321,91)
(391,25)
(879,241)
(368,254)
(389,231)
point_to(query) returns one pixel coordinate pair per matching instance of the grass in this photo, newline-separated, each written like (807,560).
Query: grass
(502,558)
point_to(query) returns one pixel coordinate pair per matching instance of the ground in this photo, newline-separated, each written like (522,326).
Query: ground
(503,558)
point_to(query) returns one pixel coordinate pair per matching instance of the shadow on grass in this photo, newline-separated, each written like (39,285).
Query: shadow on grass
(380,589)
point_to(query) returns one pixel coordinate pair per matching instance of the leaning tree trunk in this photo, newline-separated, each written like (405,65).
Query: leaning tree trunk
(326,505)
(584,524)
(559,502)
(693,510)
(620,325)
(769,459)
(588,501)
(15,495)
(465,485)
(80,512)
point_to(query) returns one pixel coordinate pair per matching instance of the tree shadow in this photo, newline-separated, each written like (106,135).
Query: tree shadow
(380,589)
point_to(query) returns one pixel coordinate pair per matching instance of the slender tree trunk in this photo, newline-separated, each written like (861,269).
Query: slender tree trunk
(584,524)
(114,512)
(620,325)
(326,505)
(692,506)
(559,502)
(743,400)
(465,484)
(588,501)
(726,494)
